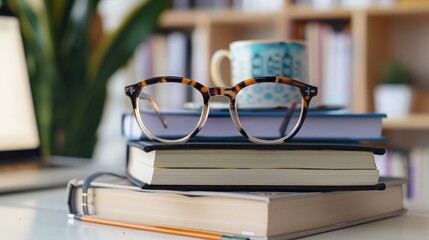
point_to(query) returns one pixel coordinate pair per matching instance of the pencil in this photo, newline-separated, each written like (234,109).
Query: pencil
(159,229)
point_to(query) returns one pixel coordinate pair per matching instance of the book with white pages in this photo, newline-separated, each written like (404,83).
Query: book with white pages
(253,215)
(238,166)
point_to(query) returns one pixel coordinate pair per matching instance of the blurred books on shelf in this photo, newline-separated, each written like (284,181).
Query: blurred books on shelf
(245,164)
(255,215)
(200,4)
(412,165)
(260,6)
(331,49)
(418,175)
(393,164)
(164,54)
(330,126)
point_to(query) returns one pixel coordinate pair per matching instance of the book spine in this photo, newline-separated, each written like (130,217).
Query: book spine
(70,196)
(223,127)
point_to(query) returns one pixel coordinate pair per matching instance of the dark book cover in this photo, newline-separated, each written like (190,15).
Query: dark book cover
(255,188)
(149,146)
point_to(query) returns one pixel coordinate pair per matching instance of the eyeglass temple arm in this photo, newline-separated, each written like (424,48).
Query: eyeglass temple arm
(287,119)
(156,108)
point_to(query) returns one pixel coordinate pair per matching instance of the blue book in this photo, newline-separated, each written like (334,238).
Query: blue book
(332,126)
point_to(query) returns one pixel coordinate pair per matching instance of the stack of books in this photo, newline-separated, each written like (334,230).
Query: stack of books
(242,190)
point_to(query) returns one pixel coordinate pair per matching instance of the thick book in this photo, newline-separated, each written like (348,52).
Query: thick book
(249,155)
(330,126)
(225,164)
(256,215)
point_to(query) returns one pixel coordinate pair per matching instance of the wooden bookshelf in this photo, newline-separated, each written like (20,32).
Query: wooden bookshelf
(180,19)
(412,122)
(401,9)
(376,35)
(192,18)
(307,13)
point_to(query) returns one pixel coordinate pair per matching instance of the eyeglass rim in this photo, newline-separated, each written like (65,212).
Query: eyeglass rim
(251,138)
(307,91)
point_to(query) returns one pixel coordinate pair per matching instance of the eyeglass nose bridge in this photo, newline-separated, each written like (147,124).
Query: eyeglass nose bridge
(222,91)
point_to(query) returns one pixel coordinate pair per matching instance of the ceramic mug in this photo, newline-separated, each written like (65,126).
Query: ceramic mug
(256,58)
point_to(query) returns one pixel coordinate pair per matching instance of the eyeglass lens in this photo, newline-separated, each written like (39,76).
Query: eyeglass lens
(268,110)
(159,105)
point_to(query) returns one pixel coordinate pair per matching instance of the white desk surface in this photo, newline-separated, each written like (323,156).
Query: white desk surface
(43,215)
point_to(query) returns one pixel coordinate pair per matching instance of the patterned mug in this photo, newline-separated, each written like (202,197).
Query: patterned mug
(256,58)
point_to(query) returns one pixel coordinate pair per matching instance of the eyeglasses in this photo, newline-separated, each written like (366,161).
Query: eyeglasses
(157,102)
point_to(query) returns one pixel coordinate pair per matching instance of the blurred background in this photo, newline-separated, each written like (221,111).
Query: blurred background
(81,54)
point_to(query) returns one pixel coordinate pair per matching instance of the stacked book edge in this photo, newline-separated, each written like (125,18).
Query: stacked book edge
(254,215)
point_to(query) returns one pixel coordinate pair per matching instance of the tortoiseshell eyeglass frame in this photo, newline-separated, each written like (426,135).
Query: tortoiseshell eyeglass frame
(133,91)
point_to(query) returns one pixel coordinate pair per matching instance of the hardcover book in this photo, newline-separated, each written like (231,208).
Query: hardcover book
(220,164)
(333,126)
(256,215)
(249,155)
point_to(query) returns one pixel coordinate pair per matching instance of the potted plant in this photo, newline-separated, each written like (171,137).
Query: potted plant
(393,95)
(70,60)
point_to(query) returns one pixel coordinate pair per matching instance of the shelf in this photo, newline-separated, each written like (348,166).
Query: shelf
(186,19)
(413,122)
(308,13)
(374,28)
(239,17)
(190,18)
(403,9)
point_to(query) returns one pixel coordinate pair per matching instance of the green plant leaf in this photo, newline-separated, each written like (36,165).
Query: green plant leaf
(113,51)
(58,14)
(28,20)
(74,47)
(396,73)
(116,49)
(69,72)
(78,27)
